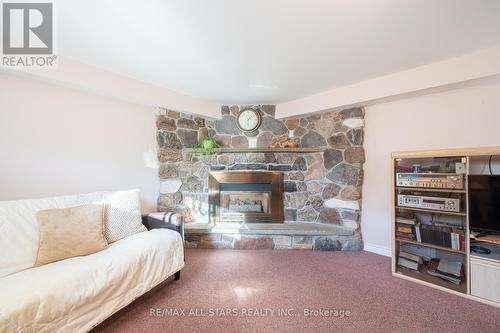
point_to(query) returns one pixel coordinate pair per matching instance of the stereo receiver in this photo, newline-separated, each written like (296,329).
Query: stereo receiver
(436,203)
(445,181)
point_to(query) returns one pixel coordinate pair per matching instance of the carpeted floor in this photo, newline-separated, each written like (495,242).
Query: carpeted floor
(242,291)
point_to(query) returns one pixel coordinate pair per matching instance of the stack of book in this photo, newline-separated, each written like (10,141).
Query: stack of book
(444,235)
(407,228)
(409,260)
(440,233)
(447,270)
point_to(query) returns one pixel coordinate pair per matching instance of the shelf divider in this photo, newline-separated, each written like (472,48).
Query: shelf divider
(427,189)
(437,247)
(431,211)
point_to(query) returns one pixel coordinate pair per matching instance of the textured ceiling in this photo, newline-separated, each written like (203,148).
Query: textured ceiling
(264,51)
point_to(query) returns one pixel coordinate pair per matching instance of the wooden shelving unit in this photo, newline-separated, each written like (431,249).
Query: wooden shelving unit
(400,164)
(445,159)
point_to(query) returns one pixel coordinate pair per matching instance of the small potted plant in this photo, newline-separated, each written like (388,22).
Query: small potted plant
(206,147)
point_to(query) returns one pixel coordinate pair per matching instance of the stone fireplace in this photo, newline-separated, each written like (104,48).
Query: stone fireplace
(321,182)
(245,196)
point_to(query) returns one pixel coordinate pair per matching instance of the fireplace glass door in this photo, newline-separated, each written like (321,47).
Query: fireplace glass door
(245,196)
(245,202)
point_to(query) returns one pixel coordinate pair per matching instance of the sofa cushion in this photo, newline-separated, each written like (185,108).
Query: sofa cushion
(75,294)
(122,216)
(19,235)
(19,229)
(70,232)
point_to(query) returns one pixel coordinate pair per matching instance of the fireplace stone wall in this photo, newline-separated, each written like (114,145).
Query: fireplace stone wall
(323,187)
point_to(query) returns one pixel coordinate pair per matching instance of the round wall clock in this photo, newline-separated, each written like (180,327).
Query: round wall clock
(249,120)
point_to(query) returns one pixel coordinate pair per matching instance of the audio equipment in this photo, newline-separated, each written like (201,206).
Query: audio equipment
(430,180)
(436,203)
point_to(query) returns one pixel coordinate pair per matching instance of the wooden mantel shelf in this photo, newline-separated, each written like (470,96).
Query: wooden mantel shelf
(263,150)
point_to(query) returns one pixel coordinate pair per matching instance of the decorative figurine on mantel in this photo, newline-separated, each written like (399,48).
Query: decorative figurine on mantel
(284,141)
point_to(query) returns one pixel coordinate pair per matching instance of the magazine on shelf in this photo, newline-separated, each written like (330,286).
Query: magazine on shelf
(447,270)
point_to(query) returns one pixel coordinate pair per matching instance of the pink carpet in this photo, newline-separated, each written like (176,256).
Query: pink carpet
(253,285)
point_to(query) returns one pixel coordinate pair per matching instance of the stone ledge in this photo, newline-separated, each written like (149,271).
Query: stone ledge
(288,229)
(260,150)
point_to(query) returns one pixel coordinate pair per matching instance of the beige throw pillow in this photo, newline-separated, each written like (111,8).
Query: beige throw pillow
(70,232)
(122,215)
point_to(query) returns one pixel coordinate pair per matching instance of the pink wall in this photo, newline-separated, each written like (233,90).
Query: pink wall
(56,141)
(419,80)
(77,75)
(460,118)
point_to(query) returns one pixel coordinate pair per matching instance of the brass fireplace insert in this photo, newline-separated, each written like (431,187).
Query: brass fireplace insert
(250,196)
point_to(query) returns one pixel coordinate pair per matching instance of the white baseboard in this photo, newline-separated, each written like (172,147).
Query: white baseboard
(384,251)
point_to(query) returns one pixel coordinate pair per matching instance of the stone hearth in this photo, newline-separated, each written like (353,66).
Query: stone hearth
(287,236)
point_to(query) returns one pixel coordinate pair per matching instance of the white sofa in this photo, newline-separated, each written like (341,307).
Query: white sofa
(75,294)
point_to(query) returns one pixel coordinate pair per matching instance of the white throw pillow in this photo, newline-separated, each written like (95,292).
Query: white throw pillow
(122,215)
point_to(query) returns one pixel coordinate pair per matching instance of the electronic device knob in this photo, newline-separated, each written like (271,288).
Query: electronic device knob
(450,202)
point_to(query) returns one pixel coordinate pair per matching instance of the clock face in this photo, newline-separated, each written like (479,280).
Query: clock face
(249,120)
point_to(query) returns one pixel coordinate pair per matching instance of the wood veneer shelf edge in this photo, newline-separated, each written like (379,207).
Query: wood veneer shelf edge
(434,280)
(437,247)
(460,152)
(429,189)
(444,212)
(450,291)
